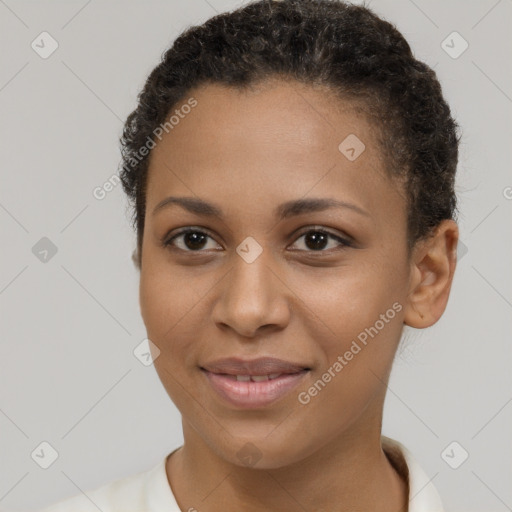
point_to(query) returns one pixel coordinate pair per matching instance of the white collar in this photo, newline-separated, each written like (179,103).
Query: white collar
(423,496)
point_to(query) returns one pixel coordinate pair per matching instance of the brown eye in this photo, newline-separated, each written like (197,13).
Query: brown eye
(317,240)
(196,240)
(192,240)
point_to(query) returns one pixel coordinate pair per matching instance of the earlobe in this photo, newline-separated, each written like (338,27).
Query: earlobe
(433,266)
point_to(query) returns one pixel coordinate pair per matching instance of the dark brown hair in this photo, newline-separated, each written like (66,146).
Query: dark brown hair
(345,47)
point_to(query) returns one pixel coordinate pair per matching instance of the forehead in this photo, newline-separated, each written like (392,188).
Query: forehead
(277,141)
(276,114)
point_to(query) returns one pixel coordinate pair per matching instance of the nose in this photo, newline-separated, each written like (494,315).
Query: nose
(253,297)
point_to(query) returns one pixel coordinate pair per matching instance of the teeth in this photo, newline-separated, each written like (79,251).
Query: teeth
(257,378)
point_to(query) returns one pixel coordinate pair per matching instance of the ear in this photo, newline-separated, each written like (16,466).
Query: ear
(433,263)
(136,258)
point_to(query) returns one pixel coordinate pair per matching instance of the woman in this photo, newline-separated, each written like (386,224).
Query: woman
(291,168)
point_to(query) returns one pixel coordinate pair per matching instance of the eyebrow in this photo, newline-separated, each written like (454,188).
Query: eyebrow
(286,210)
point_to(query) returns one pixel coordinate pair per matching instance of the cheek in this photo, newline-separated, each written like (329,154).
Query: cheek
(339,303)
(358,319)
(353,374)
(166,303)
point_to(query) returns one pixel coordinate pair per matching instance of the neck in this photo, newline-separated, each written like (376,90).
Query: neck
(350,472)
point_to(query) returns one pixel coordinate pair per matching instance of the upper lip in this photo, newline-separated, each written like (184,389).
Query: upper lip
(260,366)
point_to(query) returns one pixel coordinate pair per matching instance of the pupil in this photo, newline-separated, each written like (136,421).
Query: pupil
(194,240)
(317,238)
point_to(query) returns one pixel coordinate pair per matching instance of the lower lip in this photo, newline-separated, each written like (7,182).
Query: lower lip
(251,395)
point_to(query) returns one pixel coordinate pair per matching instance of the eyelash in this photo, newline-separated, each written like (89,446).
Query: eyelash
(168,242)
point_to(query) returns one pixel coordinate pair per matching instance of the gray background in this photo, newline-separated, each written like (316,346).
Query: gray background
(69,326)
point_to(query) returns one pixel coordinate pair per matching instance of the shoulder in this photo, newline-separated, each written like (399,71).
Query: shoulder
(128,494)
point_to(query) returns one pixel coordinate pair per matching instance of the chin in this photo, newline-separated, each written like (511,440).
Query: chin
(262,452)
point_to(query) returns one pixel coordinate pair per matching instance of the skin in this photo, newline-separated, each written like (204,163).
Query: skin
(248,152)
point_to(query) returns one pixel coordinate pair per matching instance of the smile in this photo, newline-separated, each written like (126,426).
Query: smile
(253,391)
(254,378)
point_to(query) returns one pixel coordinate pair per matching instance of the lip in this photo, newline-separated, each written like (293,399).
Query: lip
(253,395)
(260,366)
(221,375)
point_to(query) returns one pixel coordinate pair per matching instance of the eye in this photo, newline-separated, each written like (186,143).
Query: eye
(317,239)
(194,239)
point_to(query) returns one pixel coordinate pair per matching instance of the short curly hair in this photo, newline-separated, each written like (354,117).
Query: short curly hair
(347,48)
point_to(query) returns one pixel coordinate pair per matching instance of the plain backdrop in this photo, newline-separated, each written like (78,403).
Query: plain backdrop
(70,324)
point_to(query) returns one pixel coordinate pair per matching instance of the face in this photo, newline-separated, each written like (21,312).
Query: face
(322,288)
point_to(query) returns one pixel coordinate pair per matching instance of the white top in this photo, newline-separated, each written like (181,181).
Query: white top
(149,491)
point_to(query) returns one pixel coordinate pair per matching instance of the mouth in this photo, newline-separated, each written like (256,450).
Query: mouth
(253,378)
(261,367)
(251,384)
